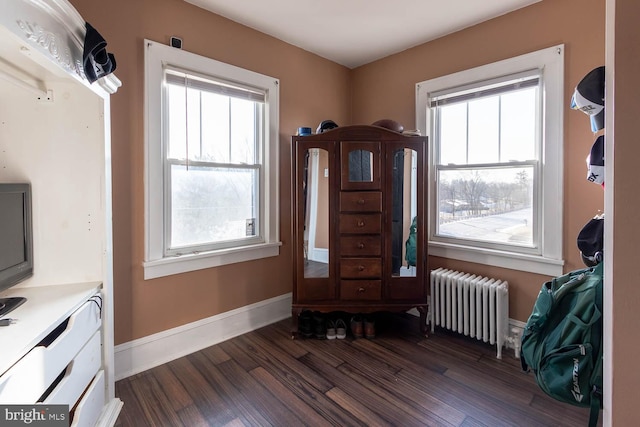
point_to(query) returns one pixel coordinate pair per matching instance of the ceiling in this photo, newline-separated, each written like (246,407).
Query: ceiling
(356,32)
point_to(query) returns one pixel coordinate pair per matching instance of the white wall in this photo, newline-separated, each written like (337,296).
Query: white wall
(58,147)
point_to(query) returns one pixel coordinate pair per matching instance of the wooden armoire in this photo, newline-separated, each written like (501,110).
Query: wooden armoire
(359,222)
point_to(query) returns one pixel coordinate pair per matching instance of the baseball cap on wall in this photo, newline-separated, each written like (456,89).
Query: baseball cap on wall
(589,97)
(595,162)
(591,241)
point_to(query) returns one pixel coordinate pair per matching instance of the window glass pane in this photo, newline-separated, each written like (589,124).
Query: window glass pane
(176,122)
(219,129)
(518,125)
(484,130)
(453,134)
(212,205)
(243,131)
(193,124)
(490,205)
(215,127)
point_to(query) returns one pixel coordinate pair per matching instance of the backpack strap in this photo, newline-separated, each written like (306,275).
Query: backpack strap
(596,392)
(595,407)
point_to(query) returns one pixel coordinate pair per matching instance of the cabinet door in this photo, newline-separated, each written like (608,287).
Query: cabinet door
(360,164)
(405,220)
(314,202)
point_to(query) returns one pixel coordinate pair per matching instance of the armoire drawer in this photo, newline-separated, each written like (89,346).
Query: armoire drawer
(360,268)
(360,201)
(365,290)
(42,365)
(360,223)
(360,246)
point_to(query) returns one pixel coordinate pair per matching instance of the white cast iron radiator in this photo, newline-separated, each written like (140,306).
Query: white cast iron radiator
(472,305)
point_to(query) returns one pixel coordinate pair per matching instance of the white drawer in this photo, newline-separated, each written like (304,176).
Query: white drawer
(79,374)
(89,408)
(32,375)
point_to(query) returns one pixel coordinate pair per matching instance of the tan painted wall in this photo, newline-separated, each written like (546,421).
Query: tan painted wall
(386,89)
(622,233)
(311,89)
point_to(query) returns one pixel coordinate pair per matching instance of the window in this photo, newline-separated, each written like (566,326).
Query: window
(211,163)
(496,162)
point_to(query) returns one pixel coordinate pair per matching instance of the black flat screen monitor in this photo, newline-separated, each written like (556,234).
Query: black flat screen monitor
(16,234)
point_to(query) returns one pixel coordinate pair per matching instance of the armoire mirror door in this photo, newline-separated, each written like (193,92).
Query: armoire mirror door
(314,201)
(316,213)
(403,212)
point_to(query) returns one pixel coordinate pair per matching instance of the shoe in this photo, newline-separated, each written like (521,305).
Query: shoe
(319,325)
(357,327)
(369,328)
(341,329)
(304,324)
(331,330)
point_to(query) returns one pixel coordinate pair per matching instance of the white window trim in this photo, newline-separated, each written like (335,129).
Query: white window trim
(155,263)
(551,63)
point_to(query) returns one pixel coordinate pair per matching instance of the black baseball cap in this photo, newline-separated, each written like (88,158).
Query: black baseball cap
(591,241)
(326,125)
(589,97)
(595,162)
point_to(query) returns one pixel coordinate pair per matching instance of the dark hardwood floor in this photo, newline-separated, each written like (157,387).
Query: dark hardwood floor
(316,269)
(264,378)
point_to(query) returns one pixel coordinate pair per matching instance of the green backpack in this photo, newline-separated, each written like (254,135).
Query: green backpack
(562,340)
(410,244)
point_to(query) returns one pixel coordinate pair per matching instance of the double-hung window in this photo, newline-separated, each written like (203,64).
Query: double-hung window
(211,196)
(496,162)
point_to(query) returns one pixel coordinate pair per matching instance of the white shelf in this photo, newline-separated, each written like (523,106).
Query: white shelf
(46,307)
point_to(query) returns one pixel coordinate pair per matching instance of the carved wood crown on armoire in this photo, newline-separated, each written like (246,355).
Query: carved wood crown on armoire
(359,222)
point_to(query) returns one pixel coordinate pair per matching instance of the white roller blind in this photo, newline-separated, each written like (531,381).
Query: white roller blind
(183,78)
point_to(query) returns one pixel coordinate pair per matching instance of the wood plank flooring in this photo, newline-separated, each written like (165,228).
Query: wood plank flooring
(400,378)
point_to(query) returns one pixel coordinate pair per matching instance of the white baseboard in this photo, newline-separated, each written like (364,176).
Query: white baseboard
(148,352)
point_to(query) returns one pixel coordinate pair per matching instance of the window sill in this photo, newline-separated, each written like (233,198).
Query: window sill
(186,263)
(513,261)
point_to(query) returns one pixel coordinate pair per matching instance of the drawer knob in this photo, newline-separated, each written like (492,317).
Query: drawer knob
(360,245)
(361,201)
(361,267)
(361,223)
(361,290)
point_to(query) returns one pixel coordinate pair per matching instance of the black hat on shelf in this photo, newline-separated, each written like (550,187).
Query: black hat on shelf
(96,61)
(326,125)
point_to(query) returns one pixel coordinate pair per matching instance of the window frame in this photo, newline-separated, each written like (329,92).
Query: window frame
(158,263)
(549,261)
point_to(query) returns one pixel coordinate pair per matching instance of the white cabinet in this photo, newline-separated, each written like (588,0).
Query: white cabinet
(58,367)
(66,365)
